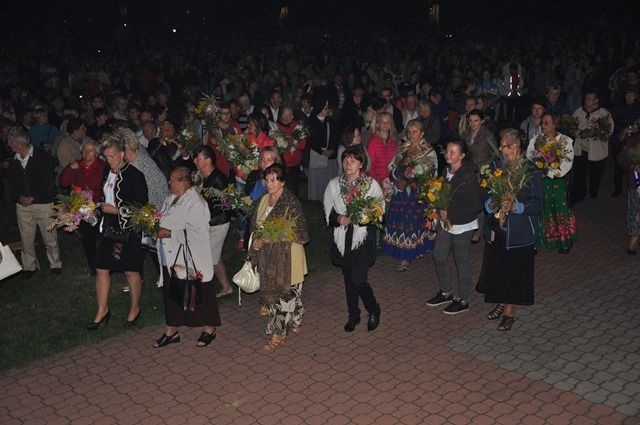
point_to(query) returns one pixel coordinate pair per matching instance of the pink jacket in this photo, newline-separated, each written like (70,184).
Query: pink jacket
(381,155)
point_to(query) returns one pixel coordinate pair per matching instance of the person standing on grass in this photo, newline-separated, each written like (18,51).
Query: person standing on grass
(32,184)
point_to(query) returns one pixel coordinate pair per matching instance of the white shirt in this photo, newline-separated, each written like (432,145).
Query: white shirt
(25,160)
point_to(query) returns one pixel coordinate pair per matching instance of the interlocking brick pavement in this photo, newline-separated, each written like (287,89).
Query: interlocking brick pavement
(572,358)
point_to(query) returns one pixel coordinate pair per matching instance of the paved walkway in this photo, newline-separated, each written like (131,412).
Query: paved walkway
(573,358)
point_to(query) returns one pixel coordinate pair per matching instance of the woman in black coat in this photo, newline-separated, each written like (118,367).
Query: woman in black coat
(123,185)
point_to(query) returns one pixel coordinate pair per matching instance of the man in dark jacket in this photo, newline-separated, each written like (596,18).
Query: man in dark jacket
(32,185)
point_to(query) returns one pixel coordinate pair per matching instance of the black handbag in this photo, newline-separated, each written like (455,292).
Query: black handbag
(187,291)
(115,234)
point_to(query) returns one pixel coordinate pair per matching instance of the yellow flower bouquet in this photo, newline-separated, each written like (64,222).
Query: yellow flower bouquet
(277,229)
(144,218)
(548,154)
(435,193)
(73,208)
(503,184)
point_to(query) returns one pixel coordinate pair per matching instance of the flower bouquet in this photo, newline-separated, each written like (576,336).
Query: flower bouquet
(278,229)
(415,172)
(241,152)
(188,140)
(436,194)
(568,125)
(600,128)
(503,185)
(230,198)
(208,111)
(288,142)
(73,208)
(548,154)
(361,209)
(144,218)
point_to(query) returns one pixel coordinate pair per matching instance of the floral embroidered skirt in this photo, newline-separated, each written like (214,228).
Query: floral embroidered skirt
(405,236)
(120,257)
(633,212)
(557,224)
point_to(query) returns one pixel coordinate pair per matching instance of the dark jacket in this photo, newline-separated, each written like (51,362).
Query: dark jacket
(465,194)
(130,188)
(521,227)
(219,215)
(36,180)
(364,255)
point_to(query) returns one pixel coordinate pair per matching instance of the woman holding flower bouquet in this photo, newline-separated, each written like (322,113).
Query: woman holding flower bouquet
(279,233)
(513,203)
(353,206)
(185,223)
(458,221)
(119,248)
(552,153)
(86,173)
(629,160)
(415,161)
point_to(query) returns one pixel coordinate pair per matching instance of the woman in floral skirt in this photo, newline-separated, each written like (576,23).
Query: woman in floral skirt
(405,236)
(552,152)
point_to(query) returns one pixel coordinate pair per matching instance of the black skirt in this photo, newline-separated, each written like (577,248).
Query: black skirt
(507,274)
(206,314)
(120,257)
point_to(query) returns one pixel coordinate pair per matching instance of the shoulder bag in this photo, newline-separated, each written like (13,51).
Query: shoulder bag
(185,288)
(247,278)
(9,265)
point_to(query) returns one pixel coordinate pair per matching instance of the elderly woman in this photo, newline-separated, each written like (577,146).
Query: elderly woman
(185,226)
(557,221)
(281,263)
(405,236)
(86,173)
(462,216)
(119,248)
(508,262)
(354,245)
(630,164)
(205,160)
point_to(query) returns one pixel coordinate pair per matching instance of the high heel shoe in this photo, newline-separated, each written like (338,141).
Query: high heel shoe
(132,323)
(165,340)
(93,326)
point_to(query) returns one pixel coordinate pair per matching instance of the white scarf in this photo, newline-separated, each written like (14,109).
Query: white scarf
(333,200)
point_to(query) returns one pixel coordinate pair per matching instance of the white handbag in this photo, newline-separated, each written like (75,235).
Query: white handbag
(9,264)
(247,278)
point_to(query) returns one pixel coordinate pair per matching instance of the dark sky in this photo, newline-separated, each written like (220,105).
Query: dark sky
(104,15)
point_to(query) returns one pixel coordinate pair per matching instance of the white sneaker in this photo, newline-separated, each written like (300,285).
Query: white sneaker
(159,283)
(126,288)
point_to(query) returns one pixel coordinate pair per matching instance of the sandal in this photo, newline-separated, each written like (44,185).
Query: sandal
(403,266)
(496,312)
(296,329)
(506,323)
(165,340)
(205,339)
(274,342)
(224,293)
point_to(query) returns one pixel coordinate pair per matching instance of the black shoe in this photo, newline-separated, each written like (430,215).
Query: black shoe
(564,250)
(631,252)
(205,339)
(165,340)
(56,270)
(132,323)
(350,326)
(440,298)
(374,319)
(27,274)
(457,306)
(93,326)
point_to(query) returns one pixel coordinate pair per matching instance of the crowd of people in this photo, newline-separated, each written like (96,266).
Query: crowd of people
(380,118)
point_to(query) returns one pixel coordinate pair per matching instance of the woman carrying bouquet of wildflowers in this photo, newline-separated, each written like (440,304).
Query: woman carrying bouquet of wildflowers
(552,153)
(461,218)
(415,160)
(354,236)
(513,202)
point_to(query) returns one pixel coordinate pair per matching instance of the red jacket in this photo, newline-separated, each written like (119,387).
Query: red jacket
(381,155)
(222,163)
(292,159)
(85,177)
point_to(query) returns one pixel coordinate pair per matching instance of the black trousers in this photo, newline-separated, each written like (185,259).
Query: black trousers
(618,173)
(583,171)
(293,179)
(357,287)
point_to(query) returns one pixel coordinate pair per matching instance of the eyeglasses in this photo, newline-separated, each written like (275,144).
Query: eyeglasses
(506,146)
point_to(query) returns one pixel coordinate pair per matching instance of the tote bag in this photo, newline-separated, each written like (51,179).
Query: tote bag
(9,264)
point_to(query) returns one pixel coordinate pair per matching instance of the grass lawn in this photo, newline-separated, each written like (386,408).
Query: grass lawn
(47,314)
